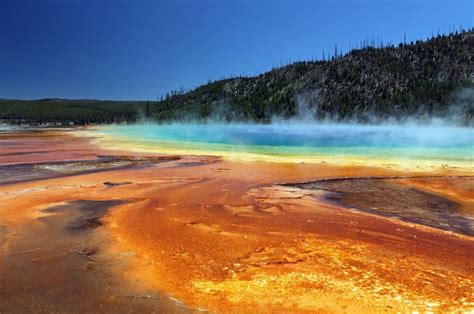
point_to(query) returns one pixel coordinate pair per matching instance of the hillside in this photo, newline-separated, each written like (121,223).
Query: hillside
(433,78)
(422,78)
(65,111)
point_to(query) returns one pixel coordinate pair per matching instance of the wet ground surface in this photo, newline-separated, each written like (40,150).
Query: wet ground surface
(224,236)
(57,263)
(17,173)
(89,213)
(389,197)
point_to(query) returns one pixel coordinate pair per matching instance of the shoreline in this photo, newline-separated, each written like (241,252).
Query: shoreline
(205,230)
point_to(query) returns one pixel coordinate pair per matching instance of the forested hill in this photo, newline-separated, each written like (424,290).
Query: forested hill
(433,78)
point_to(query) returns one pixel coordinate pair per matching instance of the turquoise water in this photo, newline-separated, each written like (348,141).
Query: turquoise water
(304,140)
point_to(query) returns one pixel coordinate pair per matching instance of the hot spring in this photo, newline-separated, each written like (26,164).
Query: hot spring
(342,143)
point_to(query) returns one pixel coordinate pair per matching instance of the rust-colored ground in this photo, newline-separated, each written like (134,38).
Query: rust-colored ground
(218,235)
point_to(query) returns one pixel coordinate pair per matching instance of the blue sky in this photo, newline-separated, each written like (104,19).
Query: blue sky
(137,49)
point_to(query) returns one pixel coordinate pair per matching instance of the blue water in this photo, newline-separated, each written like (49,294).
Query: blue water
(393,141)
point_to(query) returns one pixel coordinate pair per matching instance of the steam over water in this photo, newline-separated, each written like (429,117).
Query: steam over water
(301,141)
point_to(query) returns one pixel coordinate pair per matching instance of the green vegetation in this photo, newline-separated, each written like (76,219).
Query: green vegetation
(433,78)
(65,112)
(410,80)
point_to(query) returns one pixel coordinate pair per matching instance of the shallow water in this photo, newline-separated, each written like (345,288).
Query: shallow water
(302,141)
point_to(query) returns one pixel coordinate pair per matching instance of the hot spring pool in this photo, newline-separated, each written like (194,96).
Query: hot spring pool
(435,145)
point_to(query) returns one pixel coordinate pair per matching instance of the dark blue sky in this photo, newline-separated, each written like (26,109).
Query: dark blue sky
(138,49)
